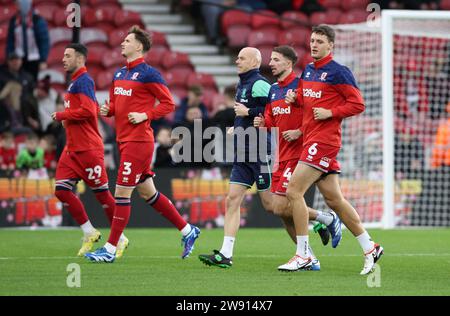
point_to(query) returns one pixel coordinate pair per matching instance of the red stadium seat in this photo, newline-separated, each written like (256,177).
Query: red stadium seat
(103,80)
(329,17)
(2,53)
(291,19)
(305,61)
(353,16)
(203,79)
(177,77)
(56,54)
(96,52)
(354,4)
(208,97)
(56,76)
(96,17)
(266,53)
(3,32)
(445,4)
(128,18)
(258,38)
(112,58)
(298,36)
(48,9)
(159,38)
(116,37)
(155,56)
(328,4)
(178,93)
(238,36)
(7,12)
(92,35)
(176,59)
(60,18)
(105,3)
(264,18)
(234,18)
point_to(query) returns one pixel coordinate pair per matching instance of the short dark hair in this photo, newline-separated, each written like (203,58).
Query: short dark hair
(326,30)
(142,36)
(288,52)
(79,48)
(196,89)
(230,91)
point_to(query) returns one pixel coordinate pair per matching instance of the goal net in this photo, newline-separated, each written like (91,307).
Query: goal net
(392,172)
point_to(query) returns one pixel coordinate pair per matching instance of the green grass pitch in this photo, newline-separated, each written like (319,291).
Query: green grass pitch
(416,262)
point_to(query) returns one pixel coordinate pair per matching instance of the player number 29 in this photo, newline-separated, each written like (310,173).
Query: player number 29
(126,168)
(97,170)
(312,150)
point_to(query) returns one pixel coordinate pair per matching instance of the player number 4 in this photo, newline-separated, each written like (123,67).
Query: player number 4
(287,174)
(97,170)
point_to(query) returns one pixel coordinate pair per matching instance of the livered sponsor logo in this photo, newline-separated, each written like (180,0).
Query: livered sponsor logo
(311,93)
(325,162)
(278,110)
(122,91)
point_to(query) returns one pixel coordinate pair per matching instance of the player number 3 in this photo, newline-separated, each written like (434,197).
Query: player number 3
(126,168)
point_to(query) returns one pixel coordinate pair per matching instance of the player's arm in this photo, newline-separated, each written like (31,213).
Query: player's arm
(88,105)
(260,92)
(354,103)
(166,104)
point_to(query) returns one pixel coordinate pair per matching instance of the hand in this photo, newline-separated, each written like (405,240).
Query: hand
(104,109)
(136,118)
(259,121)
(230,130)
(240,109)
(321,114)
(291,135)
(42,66)
(54,116)
(291,96)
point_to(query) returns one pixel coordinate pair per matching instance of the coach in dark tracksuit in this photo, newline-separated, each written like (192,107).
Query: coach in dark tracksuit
(250,165)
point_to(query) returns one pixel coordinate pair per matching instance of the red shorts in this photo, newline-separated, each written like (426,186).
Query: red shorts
(86,165)
(135,160)
(282,175)
(321,156)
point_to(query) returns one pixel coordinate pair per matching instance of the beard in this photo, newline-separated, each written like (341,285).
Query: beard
(280,74)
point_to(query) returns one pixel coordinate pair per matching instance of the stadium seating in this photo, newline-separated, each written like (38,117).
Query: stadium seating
(258,38)
(234,18)
(176,59)
(112,58)
(264,18)
(103,80)
(204,79)
(291,19)
(295,37)
(237,36)
(177,77)
(349,5)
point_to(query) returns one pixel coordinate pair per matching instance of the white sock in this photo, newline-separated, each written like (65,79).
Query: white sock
(87,228)
(324,217)
(313,256)
(227,246)
(186,230)
(110,248)
(365,241)
(303,246)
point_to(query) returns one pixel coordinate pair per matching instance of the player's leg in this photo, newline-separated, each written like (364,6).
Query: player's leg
(331,191)
(302,178)
(165,207)
(223,258)
(66,179)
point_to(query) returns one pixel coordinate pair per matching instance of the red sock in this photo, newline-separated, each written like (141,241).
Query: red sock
(108,203)
(165,207)
(120,219)
(74,205)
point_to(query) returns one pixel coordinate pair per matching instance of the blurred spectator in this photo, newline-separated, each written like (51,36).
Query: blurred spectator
(225,114)
(193,99)
(57,130)
(409,4)
(439,79)
(213,9)
(7,152)
(440,156)
(307,6)
(409,160)
(29,38)
(48,144)
(16,91)
(162,156)
(46,98)
(32,156)
(190,139)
